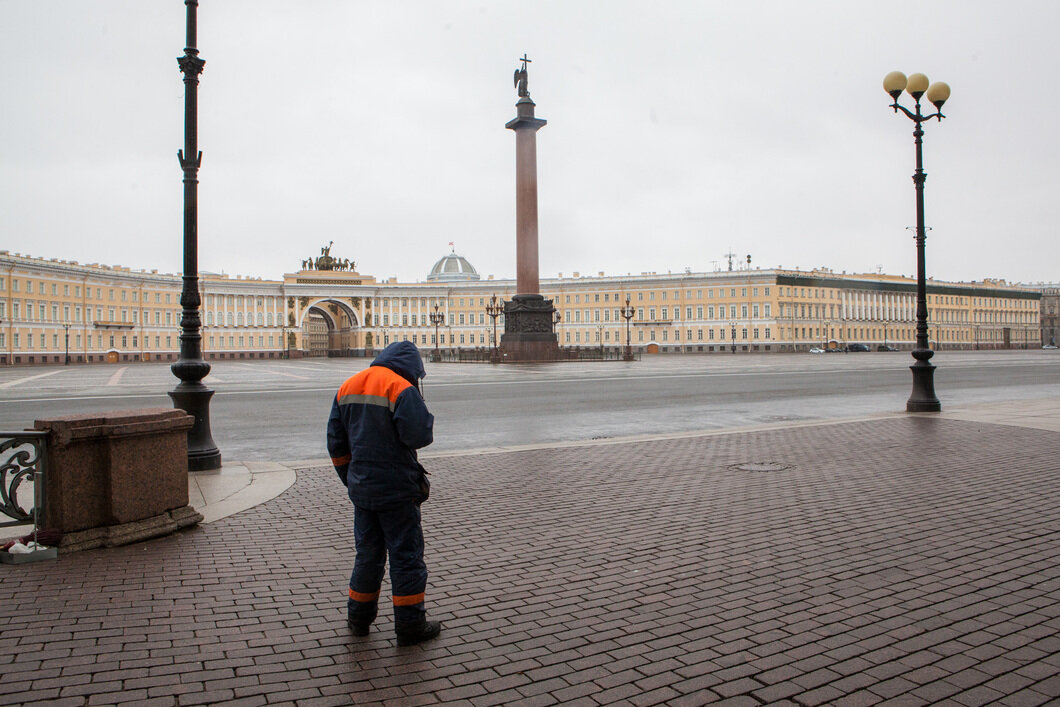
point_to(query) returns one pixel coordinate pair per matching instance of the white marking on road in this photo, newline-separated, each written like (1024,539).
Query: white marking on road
(20,381)
(114,379)
(276,373)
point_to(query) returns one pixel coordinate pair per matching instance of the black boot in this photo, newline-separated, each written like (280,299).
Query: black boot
(363,623)
(358,629)
(411,634)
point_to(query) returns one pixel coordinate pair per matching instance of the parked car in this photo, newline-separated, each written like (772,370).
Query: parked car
(816,349)
(1049,346)
(834,349)
(885,347)
(857,347)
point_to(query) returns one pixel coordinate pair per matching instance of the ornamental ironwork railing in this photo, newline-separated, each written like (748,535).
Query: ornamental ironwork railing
(23,464)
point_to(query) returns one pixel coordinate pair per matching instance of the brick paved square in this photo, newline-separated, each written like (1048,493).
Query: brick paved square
(908,559)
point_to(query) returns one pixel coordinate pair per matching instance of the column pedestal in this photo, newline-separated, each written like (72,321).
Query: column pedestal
(528,334)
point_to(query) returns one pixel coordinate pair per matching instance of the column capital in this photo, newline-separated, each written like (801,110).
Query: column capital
(524,117)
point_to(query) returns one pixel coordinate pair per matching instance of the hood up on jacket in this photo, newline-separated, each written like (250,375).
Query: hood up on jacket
(403,358)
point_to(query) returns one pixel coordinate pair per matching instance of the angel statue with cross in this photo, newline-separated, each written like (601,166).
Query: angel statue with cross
(522,79)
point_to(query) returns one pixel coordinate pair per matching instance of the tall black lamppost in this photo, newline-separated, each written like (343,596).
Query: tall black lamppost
(733,325)
(494,310)
(190,394)
(436,319)
(923,397)
(627,314)
(67,328)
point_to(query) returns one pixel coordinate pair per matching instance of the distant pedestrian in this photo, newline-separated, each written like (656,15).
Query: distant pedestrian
(378,419)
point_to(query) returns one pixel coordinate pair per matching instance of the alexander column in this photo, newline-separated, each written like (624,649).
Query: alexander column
(528,333)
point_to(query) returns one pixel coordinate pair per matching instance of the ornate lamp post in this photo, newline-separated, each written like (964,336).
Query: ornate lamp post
(627,314)
(923,396)
(437,318)
(733,325)
(190,394)
(494,310)
(67,328)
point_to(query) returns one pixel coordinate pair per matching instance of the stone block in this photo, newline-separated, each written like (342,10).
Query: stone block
(116,467)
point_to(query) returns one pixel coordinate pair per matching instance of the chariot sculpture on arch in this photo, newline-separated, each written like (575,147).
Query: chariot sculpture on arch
(326,262)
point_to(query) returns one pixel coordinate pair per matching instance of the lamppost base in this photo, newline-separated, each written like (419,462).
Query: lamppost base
(194,399)
(923,398)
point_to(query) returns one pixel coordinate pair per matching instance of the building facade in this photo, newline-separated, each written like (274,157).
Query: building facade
(52,308)
(1050,308)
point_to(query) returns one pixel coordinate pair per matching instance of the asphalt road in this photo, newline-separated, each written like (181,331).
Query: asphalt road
(276,410)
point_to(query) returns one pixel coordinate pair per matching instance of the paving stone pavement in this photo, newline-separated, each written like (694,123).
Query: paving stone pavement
(903,561)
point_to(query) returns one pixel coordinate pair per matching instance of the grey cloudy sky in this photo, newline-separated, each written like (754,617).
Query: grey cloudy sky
(676,131)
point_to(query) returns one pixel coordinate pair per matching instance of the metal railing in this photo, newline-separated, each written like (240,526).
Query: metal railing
(23,458)
(570,353)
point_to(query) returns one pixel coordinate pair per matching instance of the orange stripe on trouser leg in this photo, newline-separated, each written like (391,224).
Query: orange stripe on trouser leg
(409,599)
(365,597)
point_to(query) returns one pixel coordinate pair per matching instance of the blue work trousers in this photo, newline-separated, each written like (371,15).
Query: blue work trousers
(393,532)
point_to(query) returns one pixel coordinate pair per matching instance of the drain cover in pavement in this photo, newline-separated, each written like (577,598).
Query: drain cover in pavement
(761,466)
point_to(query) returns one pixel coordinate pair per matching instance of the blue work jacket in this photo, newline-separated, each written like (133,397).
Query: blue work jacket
(378,420)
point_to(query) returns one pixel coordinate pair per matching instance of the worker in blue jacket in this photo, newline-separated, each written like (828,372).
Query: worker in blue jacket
(378,421)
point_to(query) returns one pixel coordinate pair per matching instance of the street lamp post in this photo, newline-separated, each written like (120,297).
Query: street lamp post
(67,328)
(437,318)
(733,325)
(600,338)
(494,309)
(923,396)
(190,394)
(627,314)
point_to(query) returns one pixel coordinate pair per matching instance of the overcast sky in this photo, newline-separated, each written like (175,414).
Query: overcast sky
(676,132)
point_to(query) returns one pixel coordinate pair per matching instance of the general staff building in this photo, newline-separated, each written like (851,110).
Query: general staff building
(53,308)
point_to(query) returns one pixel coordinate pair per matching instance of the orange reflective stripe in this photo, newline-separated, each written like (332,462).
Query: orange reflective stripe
(374,381)
(409,599)
(364,597)
(341,461)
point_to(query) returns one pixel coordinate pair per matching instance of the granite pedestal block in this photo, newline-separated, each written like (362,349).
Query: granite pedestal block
(117,477)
